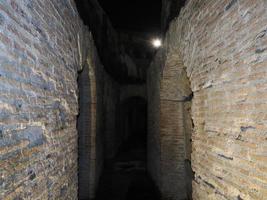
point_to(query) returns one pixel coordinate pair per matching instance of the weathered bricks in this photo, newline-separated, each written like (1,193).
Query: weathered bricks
(43,45)
(222,45)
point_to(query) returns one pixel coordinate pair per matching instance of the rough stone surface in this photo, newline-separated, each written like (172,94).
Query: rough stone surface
(172,108)
(222,45)
(38,102)
(43,46)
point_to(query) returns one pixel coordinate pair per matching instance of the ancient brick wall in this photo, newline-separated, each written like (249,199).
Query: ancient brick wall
(43,47)
(169,111)
(222,45)
(39,63)
(90,105)
(86,127)
(98,96)
(174,93)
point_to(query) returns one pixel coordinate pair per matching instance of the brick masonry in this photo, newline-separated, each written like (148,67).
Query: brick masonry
(43,47)
(173,119)
(222,46)
(39,103)
(99,97)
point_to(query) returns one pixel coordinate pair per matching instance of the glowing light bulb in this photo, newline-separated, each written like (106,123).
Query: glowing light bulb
(156,43)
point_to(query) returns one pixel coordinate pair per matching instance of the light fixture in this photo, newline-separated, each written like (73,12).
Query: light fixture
(156,43)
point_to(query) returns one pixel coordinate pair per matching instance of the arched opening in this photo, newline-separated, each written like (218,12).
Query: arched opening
(175,131)
(125,177)
(84,134)
(169,128)
(133,123)
(86,125)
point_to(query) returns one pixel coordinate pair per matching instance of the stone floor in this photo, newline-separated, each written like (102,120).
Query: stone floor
(125,178)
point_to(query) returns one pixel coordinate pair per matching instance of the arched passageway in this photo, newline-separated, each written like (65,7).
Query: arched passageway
(175,130)
(85,125)
(125,176)
(214,52)
(133,121)
(170,128)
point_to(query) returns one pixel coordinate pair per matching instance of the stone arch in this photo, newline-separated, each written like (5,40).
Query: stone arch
(175,129)
(87,125)
(128,92)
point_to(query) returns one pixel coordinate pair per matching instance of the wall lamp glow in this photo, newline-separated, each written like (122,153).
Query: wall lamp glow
(156,43)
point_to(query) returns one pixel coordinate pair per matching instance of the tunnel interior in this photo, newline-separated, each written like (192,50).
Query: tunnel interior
(118,150)
(125,175)
(118,100)
(133,122)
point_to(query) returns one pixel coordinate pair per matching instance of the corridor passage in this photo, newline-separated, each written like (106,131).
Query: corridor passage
(133,99)
(126,177)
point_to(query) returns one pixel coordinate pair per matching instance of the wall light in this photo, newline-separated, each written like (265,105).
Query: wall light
(156,43)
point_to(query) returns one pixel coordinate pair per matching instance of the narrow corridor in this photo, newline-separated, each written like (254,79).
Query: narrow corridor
(126,178)
(133,100)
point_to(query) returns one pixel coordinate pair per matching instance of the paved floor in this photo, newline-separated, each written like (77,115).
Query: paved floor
(126,178)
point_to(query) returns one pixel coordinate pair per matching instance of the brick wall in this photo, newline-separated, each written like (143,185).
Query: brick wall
(39,104)
(90,159)
(172,133)
(222,45)
(173,119)
(99,94)
(86,127)
(43,46)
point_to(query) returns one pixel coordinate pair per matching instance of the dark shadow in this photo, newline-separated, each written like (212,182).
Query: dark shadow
(188,146)
(133,122)
(84,134)
(126,177)
(188,129)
